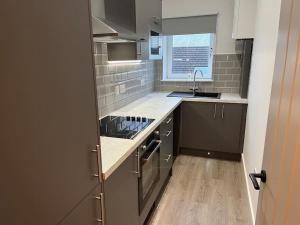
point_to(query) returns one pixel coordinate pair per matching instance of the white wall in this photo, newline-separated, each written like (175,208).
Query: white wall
(261,77)
(225,9)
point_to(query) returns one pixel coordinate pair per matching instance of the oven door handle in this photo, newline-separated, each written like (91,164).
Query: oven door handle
(154,151)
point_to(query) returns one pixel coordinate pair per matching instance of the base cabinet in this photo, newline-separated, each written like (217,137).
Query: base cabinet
(121,189)
(121,194)
(166,150)
(231,127)
(198,121)
(216,127)
(88,211)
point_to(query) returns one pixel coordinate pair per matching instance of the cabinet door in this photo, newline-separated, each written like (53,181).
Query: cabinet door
(148,17)
(49,121)
(142,24)
(244,19)
(198,129)
(166,150)
(121,13)
(121,194)
(88,211)
(230,126)
(149,14)
(155,16)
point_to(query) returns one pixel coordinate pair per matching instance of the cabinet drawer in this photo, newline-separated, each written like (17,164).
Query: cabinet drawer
(167,124)
(166,153)
(166,157)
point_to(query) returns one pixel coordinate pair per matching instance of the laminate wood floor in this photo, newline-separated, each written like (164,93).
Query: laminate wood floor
(204,192)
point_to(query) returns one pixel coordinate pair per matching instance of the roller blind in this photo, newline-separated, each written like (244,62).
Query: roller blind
(190,25)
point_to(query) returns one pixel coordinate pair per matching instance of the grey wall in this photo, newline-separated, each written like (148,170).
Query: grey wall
(120,83)
(226,76)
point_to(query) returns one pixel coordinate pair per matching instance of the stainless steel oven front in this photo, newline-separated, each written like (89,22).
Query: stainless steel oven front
(149,167)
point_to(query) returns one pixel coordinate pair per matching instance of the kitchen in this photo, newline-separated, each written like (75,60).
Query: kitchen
(150,112)
(211,126)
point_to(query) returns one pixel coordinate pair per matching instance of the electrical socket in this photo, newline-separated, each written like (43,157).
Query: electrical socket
(122,88)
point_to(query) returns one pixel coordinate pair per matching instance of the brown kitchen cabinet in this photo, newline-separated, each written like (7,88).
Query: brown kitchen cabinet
(88,211)
(149,27)
(121,194)
(166,149)
(231,127)
(47,164)
(148,17)
(215,129)
(135,18)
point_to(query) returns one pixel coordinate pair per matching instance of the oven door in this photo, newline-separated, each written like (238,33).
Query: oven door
(150,172)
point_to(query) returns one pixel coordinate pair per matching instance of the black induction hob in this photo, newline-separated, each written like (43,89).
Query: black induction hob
(123,127)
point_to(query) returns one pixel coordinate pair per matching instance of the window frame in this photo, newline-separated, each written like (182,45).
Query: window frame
(167,61)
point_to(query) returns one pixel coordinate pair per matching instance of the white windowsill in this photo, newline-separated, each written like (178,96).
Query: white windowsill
(187,80)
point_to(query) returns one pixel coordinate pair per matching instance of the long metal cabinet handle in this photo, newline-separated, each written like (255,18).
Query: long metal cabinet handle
(223,107)
(102,208)
(138,172)
(169,157)
(97,151)
(169,120)
(101,199)
(215,113)
(168,133)
(155,150)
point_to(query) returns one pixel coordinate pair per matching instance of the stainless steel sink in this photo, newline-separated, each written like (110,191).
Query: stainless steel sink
(197,94)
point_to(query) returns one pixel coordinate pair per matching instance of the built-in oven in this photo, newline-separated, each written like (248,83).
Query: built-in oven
(149,167)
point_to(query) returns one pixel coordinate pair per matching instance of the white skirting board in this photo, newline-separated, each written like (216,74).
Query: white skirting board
(248,190)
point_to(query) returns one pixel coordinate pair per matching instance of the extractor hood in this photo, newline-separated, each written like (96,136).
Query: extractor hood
(106,31)
(114,21)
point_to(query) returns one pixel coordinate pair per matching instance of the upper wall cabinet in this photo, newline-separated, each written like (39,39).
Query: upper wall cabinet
(244,19)
(149,17)
(149,27)
(130,19)
(122,13)
(140,16)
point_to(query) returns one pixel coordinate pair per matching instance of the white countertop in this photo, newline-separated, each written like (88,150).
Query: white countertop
(156,106)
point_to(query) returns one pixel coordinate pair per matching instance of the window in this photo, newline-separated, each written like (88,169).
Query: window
(186,54)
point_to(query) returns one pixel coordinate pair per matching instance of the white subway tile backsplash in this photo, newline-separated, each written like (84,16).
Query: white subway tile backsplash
(226,76)
(120,84)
